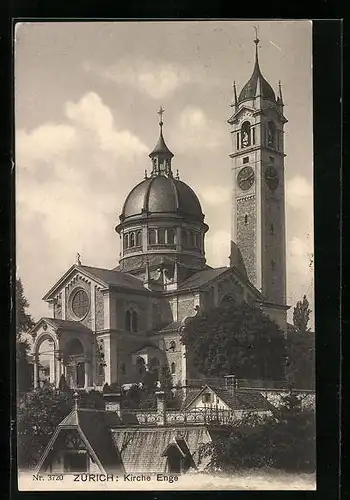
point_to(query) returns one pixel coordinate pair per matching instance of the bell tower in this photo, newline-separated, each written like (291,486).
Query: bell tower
(258,194)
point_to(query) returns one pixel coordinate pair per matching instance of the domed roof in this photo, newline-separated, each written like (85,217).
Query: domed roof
(251,88)
(162,194)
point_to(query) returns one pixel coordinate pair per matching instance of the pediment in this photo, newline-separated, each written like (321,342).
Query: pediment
(243,112)
(73,274)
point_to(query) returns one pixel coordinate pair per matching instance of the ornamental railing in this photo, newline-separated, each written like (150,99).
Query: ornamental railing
(175,417)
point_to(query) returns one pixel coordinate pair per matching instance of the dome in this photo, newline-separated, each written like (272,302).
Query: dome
(162,194)
(251,89)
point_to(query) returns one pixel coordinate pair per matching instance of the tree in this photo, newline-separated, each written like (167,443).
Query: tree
(24,322)
(300,348)
(39,413)
(301,315)
(236,339)
(284,440)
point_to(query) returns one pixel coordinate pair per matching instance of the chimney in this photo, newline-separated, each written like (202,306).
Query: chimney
(161,408)
(113,402)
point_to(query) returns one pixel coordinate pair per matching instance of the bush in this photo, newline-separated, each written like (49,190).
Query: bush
(285,441)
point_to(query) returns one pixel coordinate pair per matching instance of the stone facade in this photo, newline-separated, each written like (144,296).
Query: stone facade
(246,233)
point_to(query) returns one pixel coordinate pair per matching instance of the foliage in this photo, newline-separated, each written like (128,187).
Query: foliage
(38,414)
(62,385)
(24,322)
(236,339)
(300,345)
(285,440)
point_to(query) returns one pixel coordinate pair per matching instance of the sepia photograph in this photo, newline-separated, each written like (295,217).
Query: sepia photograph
(165,330)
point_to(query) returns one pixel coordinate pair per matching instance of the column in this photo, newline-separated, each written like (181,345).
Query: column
(63,295)
(87,373)
(93,306)
(35,366)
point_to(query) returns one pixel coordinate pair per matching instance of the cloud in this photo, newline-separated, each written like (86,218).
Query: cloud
(194,130)
(218,248)
(44,143)
(93,115)
(156,79)
(300,267)
(299,193)
(215,195)
(69,190)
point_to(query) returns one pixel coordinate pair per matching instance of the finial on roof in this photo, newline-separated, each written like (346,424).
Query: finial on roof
(177,175)
(161,113)
(78,262)
(146,174)
(256,41)
(75,399)
(235,94)
(280,92)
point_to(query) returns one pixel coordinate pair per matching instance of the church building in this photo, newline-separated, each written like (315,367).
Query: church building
(113,325)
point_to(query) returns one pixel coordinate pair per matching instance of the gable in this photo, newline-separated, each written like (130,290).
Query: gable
(74,275)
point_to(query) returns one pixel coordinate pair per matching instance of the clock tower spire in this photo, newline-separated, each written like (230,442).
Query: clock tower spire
(258,211)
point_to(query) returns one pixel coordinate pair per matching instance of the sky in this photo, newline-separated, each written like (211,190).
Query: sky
(86,102)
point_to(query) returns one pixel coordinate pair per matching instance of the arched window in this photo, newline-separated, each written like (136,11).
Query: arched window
(134,321)
(128,321)
(152,237)
(126,241)
(184,239)
(272,228)
(271,135)
(170,236)
(173,368)
(140,366)
(132,239)
(245,140)
(273,265)
(161,236)
(172,345)
(138,238)
(246,219)
(123,369)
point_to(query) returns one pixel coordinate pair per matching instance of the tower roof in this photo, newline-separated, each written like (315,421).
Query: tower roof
(256,85)
(161,149)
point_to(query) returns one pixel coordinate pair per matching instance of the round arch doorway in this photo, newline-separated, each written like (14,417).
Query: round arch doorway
(75,364)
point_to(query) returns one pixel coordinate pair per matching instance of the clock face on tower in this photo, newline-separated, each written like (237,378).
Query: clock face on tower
(245,178)
(271,177)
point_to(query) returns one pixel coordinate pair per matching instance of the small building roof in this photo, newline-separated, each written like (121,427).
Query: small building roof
(94,428)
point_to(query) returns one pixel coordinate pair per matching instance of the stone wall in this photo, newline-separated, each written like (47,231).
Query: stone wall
(99,310)
(246,234)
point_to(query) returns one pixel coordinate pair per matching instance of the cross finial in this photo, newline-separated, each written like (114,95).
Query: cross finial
(78,263)
(161,113)
(75,400)
(256,39)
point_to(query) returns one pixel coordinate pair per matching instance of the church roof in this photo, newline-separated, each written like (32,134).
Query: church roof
(106,277)
(256,85)
(66,324)
(201,278)
(115,278)
(162,194)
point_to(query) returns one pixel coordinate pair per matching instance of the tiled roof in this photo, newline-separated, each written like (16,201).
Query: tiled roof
(67,325)
(200,278)
(239,399)
(115,278)
(95,425)
(244,399)
(171,327)
(141,449)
